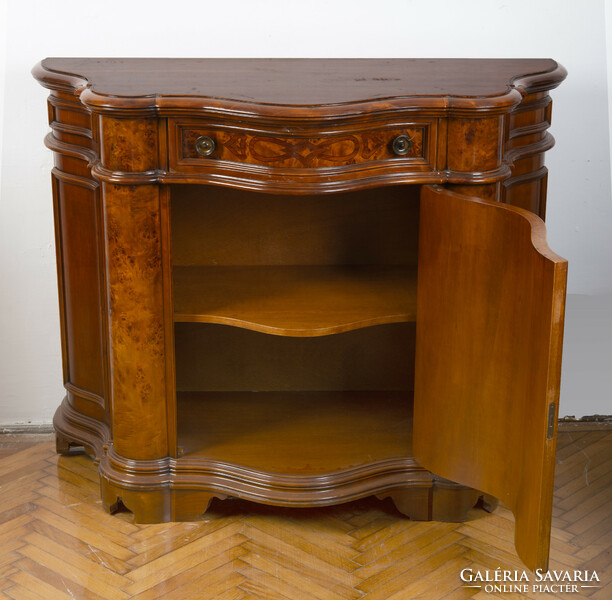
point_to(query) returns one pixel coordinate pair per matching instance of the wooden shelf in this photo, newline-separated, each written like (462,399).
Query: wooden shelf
(295,432)
(299,301)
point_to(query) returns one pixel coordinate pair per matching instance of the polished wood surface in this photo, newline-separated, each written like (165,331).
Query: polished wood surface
(295,432)
(305,150)
(133,228)
(498,364)
(58,544)
(339,115)
(304,189)
(307,83)
(295,301)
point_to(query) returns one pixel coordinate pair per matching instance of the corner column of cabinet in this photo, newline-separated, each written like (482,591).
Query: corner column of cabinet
(474,155)
(138,275)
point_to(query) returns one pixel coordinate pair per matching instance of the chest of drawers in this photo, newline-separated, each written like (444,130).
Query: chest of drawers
(301,282)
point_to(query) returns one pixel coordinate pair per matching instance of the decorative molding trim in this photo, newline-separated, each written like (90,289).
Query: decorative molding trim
(73,389)
(71,129)
(74,179)
(300,181)
(91,433)
(515,154)
(540,127)
(525,178)
(86,154)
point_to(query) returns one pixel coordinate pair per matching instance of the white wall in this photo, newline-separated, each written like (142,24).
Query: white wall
(580,208)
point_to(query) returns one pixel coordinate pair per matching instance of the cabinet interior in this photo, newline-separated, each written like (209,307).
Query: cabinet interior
(294,326)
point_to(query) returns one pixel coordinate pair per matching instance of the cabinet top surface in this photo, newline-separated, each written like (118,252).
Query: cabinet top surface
(298,84)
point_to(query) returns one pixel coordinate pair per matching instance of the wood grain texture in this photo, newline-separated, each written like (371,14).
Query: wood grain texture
(474,144)
(293,131)
(78,209)
(296,148)
(79,241)
(298,433)
(487,269)
(133,230)
(141,485)
(269,142)
(294,300)
(293,87)
(128,144)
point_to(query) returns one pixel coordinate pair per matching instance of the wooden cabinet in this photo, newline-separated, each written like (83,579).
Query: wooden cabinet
(301,282)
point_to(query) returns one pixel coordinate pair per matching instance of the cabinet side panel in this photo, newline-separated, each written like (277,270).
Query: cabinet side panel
(77,219)
(527,139)
(80,255)
(489,330)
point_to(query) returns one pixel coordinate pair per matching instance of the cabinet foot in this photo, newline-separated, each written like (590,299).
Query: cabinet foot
(443,501)
(156,506)
(65,446)
(411,502)
(451,501)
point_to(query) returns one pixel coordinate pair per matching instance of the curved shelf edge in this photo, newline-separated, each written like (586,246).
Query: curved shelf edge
(285,300)
(296,332)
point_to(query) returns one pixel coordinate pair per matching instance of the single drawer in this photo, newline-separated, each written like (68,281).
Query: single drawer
(195,145)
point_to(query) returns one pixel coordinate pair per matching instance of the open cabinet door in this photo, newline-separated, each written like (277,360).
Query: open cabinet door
(490,307)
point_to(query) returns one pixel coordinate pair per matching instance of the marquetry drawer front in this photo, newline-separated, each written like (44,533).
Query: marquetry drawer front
(193,145)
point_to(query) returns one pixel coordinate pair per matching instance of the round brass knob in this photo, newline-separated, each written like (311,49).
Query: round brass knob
(401,145)
(205,145)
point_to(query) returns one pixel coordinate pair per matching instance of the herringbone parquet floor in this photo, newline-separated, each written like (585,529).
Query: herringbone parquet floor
(56,543)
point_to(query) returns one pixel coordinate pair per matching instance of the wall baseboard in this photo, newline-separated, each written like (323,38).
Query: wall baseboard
(568,423)
(26,428)
(586,423)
